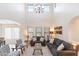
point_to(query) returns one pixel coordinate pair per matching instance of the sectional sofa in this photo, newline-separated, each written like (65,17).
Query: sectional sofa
(67,51)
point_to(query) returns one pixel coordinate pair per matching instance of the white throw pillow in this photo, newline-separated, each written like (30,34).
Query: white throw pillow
(42,39)
(60,47)
(51,41)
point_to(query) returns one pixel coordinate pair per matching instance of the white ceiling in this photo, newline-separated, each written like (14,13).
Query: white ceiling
(13,11)
(67,7)
(18,12)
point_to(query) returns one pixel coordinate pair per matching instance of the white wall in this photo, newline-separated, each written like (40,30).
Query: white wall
(12,11)
(74,30)
(64,14)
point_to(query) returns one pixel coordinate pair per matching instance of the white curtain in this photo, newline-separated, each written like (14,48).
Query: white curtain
(12,34)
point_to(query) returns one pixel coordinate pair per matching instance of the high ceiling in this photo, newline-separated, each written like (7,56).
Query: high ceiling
(18,11)
(12,11)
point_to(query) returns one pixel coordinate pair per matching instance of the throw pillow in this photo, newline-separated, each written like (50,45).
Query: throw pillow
(41,39)
(60,47)
(51,41)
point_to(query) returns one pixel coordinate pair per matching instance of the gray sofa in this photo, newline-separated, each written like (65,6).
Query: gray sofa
(5,51)
(67,51)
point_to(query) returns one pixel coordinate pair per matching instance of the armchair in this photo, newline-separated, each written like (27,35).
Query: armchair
(67,51)
(32,43)
(33,40)
(5,51)
(20,46)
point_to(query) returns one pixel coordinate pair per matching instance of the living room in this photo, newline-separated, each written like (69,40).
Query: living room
(37,27)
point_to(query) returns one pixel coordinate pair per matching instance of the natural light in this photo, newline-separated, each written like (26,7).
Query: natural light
(9,30)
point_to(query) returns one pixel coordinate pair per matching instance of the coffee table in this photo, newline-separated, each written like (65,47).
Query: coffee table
(37,48)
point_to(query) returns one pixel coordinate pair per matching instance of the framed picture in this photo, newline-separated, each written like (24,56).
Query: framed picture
(58,30)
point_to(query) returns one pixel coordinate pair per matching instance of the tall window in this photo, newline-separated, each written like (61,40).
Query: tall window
(9,30)
(12,33)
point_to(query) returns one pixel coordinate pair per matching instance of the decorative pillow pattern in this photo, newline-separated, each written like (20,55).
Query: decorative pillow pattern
(60,47)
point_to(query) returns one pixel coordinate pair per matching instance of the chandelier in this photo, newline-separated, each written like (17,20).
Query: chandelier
(38,8)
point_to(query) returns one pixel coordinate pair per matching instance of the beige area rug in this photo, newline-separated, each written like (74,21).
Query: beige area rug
(29,52)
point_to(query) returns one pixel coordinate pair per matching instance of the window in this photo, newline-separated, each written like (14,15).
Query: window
(12,33)
(38,31)
(30,8)
(1,31)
